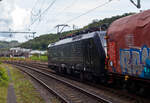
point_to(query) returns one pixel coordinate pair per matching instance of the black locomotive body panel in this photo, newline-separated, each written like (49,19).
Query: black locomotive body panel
(69,53)
(83,53)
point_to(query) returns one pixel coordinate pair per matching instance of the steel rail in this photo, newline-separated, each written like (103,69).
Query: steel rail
(99,98)
(45,85)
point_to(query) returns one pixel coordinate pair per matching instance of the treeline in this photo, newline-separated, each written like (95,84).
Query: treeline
(6,44)
(42,41)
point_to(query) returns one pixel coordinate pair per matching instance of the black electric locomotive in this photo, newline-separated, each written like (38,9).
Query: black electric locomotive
(81,54)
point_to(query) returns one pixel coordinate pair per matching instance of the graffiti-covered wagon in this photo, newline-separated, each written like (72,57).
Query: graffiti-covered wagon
(129,47)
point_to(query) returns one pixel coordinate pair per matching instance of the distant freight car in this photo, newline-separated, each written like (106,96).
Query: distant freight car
(83,54)
(129,49)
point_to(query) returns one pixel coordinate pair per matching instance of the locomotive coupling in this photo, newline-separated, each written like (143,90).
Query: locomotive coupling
(106,37)
(126,77)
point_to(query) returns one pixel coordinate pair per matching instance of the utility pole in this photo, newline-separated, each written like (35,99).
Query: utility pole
(74,27)
(20,32)
(138,4)
(33,35)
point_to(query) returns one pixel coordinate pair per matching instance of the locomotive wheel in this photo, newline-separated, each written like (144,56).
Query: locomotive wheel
(141,91)
(64,70)
(59,69)
(68,70)
(90,77)
(49,66)
(124,86)
(132,87)
(56,69)
(81,76)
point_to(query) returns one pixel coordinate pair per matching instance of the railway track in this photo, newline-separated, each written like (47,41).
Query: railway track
(97,92)
(67,92)
(62,99)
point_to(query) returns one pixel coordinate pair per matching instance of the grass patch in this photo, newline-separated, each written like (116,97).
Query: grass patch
(3,94)
(25,92)
(13,58)
(3,85)
(39,58)
(42,58)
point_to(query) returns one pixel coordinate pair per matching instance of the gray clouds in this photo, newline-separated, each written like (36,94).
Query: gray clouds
(6,7)
(12,17)
(16,14)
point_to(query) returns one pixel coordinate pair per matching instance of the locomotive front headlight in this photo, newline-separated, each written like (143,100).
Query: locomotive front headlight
(111,63)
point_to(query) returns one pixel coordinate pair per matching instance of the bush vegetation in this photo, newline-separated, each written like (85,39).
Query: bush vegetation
(3,85)
(43,58)
(3,76)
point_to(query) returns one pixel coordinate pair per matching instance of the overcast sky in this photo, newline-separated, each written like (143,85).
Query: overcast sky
(18,15)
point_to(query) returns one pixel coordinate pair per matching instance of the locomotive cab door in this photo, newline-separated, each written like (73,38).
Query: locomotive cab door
(88,62)
(87,55)
(91,56)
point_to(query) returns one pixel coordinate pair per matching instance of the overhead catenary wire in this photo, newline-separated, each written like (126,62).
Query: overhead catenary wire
(75,18)
(43,1)
(39,15)
(138,6)
(34,6)
(70,5)
(63,9)
(51,4)
(67,7)
(68,21)
(88,11)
